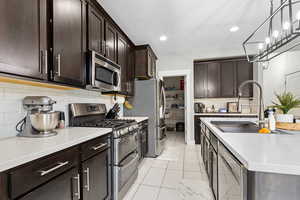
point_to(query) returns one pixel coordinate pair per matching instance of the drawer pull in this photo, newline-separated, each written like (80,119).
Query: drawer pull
(100,146)
(59,165)
(87,186)
(77,178)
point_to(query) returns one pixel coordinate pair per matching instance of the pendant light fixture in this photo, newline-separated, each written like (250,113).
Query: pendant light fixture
(279,33)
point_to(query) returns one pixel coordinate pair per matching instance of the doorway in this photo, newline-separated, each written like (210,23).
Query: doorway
(175,108)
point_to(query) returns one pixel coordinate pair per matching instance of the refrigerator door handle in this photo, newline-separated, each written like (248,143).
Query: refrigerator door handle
(165,100)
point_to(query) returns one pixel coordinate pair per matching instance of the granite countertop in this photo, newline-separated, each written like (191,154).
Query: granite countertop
(261,152)
(16,151)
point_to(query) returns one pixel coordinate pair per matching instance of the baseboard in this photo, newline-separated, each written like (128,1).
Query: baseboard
(189,142)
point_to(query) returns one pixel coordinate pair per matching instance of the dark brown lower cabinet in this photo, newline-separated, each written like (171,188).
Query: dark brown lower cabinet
(63,187)
(96,180)
(3,186)
(197,130)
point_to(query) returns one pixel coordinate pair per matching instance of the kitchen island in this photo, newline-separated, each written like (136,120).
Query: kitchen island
(250,166)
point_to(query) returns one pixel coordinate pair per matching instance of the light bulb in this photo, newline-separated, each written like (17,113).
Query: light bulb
(275,34)
(286,25)
(163,38)
(234,29)
(298,15)
(268,40)
(260,46)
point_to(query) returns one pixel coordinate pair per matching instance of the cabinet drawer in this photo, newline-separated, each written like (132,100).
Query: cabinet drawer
(33,174)
(95,146)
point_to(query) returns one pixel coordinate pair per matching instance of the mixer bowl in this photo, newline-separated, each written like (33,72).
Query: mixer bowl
(44,121)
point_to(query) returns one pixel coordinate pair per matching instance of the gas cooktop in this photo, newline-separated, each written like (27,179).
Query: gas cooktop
(106,123)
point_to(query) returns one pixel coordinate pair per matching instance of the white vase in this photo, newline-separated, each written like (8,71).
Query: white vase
(284,118)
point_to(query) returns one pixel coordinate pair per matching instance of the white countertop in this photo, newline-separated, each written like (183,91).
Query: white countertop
(262,152)
(16,151)
(137,119)
(226,114)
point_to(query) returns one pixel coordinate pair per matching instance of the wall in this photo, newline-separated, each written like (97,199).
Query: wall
(274,77)
(11,109)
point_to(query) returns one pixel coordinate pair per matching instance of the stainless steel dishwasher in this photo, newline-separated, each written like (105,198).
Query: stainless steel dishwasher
(232,176)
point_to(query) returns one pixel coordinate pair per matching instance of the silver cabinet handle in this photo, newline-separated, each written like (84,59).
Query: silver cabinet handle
(95,148)
(87,186)
(58,64)
(77,178)
(46,62)
(59,165)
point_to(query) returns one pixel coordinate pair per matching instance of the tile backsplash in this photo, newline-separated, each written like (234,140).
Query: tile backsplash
(11,96)
(247,105)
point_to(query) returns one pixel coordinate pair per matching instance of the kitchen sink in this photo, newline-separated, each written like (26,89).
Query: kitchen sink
(240,127)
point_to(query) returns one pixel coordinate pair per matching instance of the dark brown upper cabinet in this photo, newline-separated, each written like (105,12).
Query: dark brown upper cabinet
(244,71)
(145,62)
(200,80)
(110,42)
(213,80)
(23,38)
(228,79)
(221,78)
(126,60)
(96,40)
(69,36)
(123,60)
(131,71)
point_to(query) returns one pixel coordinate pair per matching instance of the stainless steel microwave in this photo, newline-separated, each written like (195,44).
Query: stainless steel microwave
(102,74)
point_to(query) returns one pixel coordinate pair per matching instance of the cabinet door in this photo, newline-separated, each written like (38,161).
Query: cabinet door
(23,37)
(68,41)
(245,72)
(96,177)
(197,130)
(123,62)
(228,79)
(110,42)
(131,71)
(213,80)
(64,187)
(200,80)
(96,31)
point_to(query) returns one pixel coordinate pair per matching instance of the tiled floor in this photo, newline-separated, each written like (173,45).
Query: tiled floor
(178,174)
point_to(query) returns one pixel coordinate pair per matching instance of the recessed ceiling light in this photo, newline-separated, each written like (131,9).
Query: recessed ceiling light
(163,38)
(234,29)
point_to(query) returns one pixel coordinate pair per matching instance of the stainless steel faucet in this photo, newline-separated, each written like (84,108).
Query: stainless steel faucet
(261,121)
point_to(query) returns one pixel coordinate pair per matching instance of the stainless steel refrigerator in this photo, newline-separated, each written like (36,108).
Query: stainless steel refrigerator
(150,100)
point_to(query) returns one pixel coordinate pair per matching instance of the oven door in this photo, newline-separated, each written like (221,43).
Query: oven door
(105,75)
(125,145)
(127,168)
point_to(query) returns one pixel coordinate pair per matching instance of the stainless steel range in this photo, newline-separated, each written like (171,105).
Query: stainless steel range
(125,143)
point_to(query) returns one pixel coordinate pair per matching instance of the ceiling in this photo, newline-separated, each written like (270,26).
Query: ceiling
(195,29)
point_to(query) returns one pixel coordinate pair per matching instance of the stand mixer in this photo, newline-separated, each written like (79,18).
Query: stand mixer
(40,120)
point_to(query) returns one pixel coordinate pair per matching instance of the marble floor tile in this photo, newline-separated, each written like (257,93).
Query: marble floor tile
(177,174)
(169,194)
(175,165)
(172,179)
(154,177)
(146,193)
(158,163)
